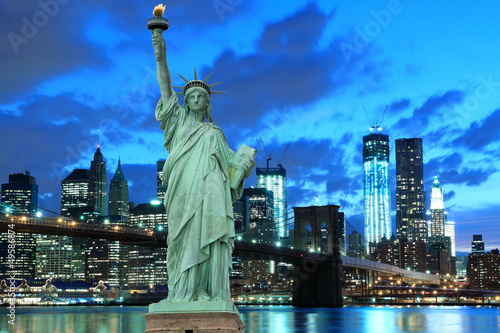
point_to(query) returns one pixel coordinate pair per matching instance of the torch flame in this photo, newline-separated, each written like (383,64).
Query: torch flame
(159,10)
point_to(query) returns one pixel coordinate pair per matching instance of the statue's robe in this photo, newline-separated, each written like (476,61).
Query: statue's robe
(198,204)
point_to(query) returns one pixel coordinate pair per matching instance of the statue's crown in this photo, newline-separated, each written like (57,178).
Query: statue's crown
(198,83)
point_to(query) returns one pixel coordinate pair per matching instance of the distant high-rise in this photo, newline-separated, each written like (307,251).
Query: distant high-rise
(160,188)
(438,216)
(118,196)
(356,248)
(74,200)
(19,197)
(477,244)
(449,231)
(483,270)
(274,179)
(410,195)
(75,189)
(147,265)
(98,187)
(377,210)
(262,227)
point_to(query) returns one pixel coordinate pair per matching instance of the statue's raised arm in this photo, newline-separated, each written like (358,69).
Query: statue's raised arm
(164,78)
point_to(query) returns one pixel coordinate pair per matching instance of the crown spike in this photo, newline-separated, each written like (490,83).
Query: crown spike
(182,77)
(217,92)
(195,75)
(205,79)
(214,84)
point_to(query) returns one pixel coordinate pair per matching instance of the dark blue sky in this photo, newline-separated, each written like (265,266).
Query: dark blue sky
(295,72)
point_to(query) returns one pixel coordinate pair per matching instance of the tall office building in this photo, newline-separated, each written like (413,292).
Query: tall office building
(98,187)
(19,197)
(160,188)
(438,216)
(75,189)
(477,245)
(356,248)
(147,265)
(411,222)
(118,196)
(483,270)
(262,227)
(449,231)
(74,200)
(377,210)
(274,179)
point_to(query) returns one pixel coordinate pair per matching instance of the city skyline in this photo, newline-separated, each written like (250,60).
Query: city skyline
(297,74)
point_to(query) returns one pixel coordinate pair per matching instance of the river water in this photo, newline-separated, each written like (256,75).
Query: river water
(349,319)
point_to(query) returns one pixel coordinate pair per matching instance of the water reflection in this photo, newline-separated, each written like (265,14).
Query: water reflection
(350,319)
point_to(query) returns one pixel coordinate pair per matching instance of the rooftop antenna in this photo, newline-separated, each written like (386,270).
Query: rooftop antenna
(283,158)
(268,156)
(98,138)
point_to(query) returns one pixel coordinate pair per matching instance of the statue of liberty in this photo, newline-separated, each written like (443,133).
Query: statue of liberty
(202,186)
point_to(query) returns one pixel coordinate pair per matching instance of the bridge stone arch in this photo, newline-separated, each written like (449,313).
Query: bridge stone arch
(323,285)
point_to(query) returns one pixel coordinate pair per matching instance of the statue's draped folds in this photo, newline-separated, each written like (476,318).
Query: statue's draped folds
(198,204)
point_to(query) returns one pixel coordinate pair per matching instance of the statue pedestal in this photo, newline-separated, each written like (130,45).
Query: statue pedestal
(193,317)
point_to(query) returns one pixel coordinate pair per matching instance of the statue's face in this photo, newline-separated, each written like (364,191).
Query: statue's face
(197,101)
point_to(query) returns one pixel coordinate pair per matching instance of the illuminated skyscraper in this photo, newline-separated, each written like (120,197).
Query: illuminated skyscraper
(118,196)
(19,197)
(438,216)
(377,212)
(449,231)
(262,228)
(147,265)
(160,188)
(274,179)
(98,187)
(74,199)
(411,223)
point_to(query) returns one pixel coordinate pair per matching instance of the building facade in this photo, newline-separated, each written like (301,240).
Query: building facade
(147,265)
(438,216)
(274,179)
(484,270)
(19,197)
(98,186)
(411,221)
(160,188)
(262,227)
(118,196)
(377,210)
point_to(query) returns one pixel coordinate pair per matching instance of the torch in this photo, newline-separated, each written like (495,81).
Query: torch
(157,24)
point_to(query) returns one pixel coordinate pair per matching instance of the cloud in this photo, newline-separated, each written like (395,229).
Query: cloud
(418,122)
(480,134)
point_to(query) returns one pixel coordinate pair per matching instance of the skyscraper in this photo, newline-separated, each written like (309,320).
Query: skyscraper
(438,216)
(377,210)
(75,189)
(411,223)
(449,231)
(274,179)
(20,196)
(98,187)
(147,265)
(160,188)
(118,196)
(262,227)
(74,200)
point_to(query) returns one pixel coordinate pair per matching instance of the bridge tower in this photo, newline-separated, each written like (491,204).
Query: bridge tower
(318,283)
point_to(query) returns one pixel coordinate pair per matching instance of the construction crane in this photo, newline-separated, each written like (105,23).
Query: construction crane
(283,158)
(268,156)
(378,123)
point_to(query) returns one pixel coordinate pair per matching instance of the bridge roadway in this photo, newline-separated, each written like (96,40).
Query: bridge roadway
(247,250)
